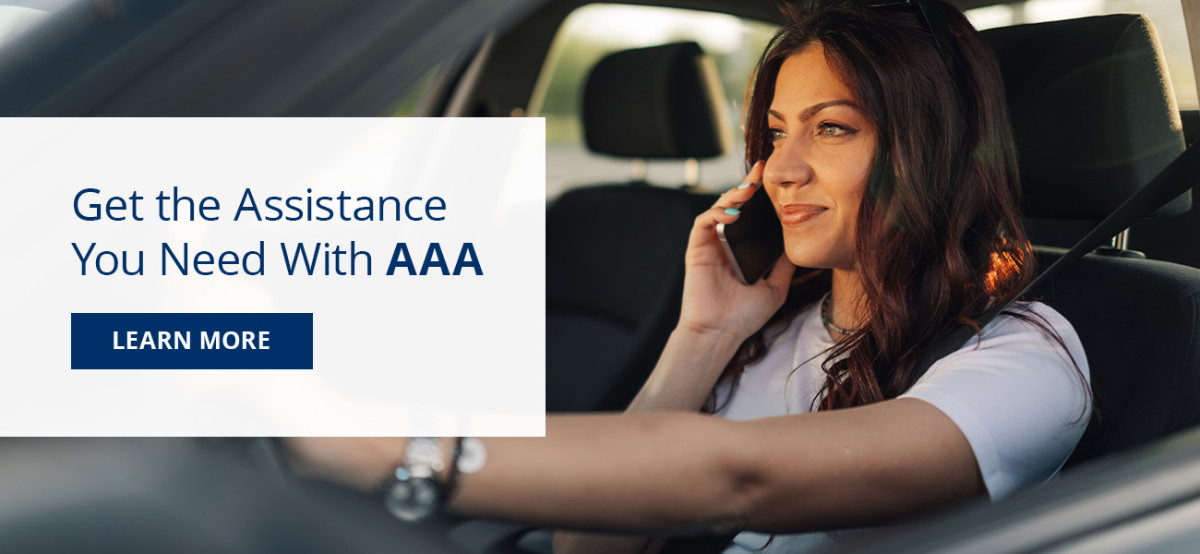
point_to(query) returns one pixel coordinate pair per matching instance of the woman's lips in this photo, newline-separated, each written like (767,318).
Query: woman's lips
(795,214)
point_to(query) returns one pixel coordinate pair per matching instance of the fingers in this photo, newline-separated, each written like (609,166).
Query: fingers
(756,172)
(704,228)
(725,210)
(736,196)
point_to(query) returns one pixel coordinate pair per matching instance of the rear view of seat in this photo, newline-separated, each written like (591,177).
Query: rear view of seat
(614,252)
(1092,117)
(1094,122)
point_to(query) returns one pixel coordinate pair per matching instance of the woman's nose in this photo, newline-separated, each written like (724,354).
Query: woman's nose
(787,165)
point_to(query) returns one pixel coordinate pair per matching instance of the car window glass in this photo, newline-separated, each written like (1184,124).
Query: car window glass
(16,16)
(1166,15)
(596,30)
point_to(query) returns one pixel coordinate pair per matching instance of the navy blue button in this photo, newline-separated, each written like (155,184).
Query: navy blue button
(191,341)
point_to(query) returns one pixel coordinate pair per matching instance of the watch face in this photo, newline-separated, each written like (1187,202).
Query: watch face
(412,499)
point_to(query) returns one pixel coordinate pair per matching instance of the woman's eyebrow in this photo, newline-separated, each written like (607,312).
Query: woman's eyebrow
(813,109)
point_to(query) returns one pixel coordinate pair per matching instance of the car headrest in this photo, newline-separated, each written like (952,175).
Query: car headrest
(1092,110)
(659,102)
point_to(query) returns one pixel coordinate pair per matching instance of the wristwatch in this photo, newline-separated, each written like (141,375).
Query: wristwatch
(412,492)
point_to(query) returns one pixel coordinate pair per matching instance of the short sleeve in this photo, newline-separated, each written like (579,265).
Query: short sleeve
(1019,398)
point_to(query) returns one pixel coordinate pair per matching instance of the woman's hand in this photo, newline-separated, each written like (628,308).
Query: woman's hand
(713,299)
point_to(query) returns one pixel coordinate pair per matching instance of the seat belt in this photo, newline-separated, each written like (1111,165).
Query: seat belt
(1180,175)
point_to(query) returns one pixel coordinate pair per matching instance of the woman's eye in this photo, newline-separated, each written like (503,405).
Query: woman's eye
(775,134)
(833,130)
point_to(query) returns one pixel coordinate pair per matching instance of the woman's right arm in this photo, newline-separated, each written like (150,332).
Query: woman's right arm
(718,314)
(677,383)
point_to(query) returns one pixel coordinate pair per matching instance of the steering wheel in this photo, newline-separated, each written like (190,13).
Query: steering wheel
(184,495)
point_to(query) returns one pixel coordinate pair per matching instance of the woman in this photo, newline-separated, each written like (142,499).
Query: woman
(888,155)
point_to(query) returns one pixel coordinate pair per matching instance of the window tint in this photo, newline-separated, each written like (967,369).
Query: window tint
(596,30)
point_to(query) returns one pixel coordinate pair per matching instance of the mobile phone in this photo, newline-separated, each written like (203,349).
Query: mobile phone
(755,240)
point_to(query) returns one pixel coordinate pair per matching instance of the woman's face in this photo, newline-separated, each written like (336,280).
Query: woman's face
(824,145)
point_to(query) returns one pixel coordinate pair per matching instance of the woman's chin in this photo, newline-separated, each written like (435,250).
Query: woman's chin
(812,254)
(805,257)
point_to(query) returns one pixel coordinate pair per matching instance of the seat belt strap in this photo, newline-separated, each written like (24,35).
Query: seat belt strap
(1179,176)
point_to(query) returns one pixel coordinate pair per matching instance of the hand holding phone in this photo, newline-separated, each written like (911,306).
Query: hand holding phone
(748,247)
(755,241)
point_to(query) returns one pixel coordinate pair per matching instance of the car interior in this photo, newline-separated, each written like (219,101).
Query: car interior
(1094,121)
(613,287)
(1095,117)
(1076,169)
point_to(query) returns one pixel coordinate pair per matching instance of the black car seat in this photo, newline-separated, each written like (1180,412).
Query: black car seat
(1094,122)
(1176,239)
(614,252)
(1191,125)
(1092,118)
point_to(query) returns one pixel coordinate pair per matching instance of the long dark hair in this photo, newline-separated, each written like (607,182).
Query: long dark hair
(939,236)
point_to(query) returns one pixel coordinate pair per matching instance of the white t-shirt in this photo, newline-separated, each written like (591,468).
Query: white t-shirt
(1014,394)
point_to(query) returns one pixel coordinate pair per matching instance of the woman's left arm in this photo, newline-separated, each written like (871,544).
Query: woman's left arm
(684,472)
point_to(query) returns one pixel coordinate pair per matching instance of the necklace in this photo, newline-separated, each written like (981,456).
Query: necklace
(828,321)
